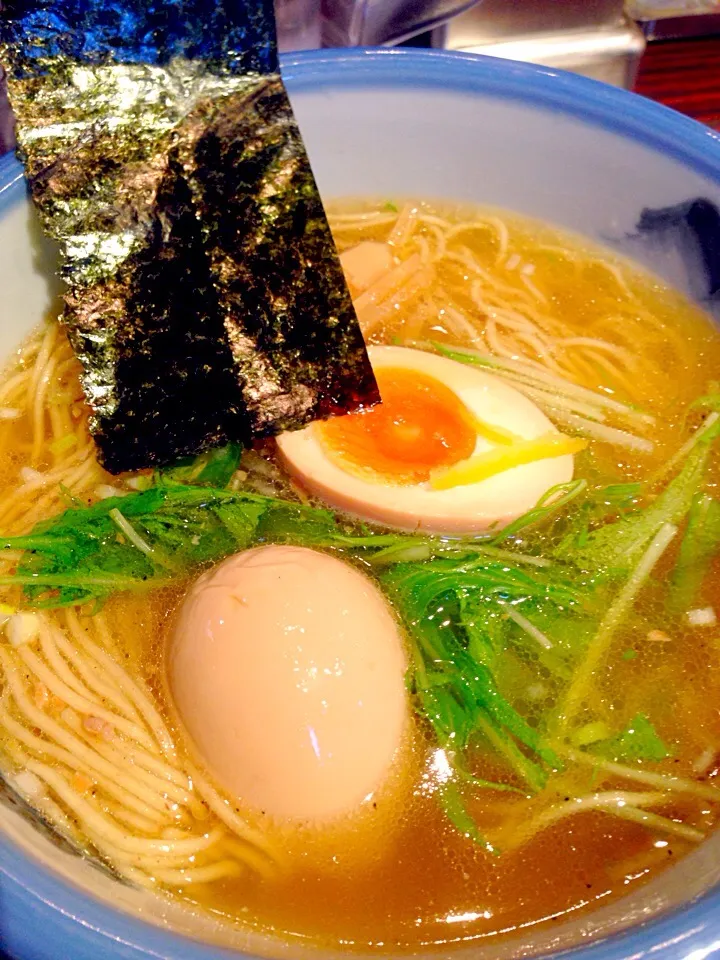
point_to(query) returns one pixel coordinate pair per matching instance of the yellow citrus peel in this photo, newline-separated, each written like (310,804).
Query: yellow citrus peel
(490,432)
(485,465)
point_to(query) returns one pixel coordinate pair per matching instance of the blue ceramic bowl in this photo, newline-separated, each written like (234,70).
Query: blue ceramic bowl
(591,158)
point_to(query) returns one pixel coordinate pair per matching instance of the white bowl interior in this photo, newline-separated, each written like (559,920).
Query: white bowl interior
(559,168)
(394,141)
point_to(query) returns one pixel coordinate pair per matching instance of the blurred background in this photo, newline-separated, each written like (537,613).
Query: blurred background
(665,49)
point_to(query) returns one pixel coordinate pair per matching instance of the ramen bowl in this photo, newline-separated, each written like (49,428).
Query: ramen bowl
(585,157)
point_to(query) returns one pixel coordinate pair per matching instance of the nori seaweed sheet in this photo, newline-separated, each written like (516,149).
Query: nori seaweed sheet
(205,298)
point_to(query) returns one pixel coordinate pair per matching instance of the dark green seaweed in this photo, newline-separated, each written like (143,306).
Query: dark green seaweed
(205,299)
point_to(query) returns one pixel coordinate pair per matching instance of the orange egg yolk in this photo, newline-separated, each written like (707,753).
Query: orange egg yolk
(419,426)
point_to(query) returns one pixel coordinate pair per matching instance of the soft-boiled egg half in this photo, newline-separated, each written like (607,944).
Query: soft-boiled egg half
(286,668)
(451,449)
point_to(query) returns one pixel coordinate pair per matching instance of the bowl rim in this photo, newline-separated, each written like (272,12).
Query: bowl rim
(11,182)
(68,914)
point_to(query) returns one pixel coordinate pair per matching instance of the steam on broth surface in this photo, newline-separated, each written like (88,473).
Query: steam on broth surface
(564,741)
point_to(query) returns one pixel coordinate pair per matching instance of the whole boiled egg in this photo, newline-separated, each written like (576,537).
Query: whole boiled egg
(450,450)
(286,668)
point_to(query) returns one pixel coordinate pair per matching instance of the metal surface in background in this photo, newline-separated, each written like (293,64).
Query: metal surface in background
(685,27)
(353,23)
(675,19)
(591,37)
(669,9)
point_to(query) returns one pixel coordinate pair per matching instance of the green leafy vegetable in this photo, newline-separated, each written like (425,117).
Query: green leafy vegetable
(710,400)
(615,548)
(639,741)
(700,544)
(215,468)
(551,503)
(452,676)
(531,772)
(596,507)
(455,810)
(145,538)
(577,691)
